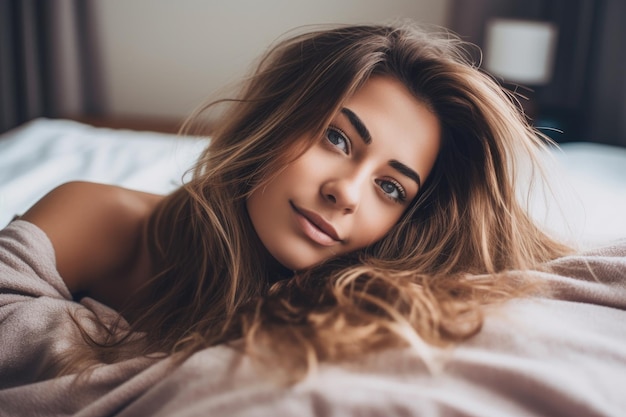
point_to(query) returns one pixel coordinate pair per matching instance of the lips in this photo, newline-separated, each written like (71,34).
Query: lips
(315,227)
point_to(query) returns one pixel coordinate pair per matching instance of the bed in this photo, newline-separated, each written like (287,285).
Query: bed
(589,178)
(543,356)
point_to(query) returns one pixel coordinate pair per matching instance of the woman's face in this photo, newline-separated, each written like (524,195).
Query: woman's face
(350,188)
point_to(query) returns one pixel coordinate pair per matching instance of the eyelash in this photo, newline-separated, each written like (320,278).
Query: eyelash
(396,184)
(343,136)
(401,191)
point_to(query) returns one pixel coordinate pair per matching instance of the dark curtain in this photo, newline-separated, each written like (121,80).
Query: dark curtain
(605,107)
(586,97)
(48,60)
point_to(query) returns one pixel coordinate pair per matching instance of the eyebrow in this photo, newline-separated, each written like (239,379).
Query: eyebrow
(358,125)
(406,171)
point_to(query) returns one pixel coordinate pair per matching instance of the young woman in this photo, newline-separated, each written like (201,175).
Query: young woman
(359,194)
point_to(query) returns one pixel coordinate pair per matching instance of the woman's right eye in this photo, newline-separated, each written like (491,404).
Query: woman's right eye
(338,139)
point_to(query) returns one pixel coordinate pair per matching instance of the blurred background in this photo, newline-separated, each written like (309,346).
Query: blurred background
(147,64)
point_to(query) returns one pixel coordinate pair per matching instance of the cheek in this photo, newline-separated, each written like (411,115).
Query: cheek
(375,221)
(289,178)
(306,174)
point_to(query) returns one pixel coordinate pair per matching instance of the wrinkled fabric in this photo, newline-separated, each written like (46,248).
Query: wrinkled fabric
(558,356)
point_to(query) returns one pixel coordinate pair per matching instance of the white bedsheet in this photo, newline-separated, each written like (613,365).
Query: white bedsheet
(589,181)
(44,153)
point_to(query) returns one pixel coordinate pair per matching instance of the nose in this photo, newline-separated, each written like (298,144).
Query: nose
(344,193)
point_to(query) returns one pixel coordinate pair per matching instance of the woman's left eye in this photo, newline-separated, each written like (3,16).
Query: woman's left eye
(338,139)
(392,189)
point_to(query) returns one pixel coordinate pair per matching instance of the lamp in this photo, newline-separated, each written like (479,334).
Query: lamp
(520,51)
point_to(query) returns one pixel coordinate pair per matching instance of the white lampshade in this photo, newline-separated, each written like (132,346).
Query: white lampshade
(520,51)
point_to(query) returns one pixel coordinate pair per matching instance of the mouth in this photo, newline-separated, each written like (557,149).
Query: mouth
(315,227)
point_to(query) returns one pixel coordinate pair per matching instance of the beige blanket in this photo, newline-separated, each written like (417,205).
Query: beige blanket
(555,357)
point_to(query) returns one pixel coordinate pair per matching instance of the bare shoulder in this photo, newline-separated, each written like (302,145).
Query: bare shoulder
(91,205)
(88,199)
(95,229)
(76,196)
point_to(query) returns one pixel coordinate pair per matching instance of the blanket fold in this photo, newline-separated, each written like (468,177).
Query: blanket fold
(558,356)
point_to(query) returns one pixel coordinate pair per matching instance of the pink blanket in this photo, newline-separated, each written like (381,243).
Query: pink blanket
(562,356)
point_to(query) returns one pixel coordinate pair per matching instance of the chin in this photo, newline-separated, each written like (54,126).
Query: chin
(295,266)
(296,263)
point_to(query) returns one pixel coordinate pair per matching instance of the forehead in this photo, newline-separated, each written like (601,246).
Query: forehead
(401,125)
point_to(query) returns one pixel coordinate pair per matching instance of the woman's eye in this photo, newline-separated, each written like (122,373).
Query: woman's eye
(392,190)
(338,139)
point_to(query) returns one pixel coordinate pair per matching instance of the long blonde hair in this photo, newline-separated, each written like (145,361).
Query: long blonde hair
(427,280)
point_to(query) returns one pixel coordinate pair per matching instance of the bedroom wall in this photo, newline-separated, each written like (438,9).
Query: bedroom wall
(162,57)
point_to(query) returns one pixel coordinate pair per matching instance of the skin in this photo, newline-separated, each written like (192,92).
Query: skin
(98,231)
(343,193)
(98,235)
